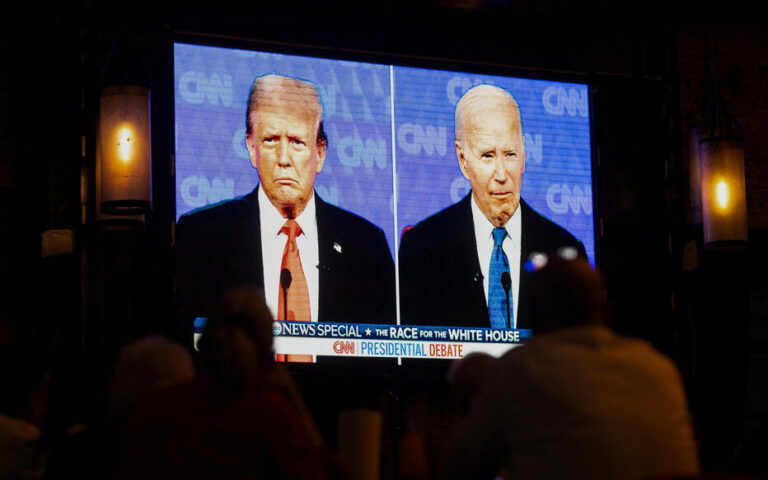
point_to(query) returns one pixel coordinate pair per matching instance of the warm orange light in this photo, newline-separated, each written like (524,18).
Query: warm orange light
(724,199)
(125,155)
(722,195)
(125,143)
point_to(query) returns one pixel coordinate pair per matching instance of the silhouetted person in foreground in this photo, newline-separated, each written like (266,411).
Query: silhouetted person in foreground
(241,418)
(465,377)
(24,383)
(142,367)
(577,400)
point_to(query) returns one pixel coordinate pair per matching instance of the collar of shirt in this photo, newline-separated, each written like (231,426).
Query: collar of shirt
(511,246)
(272,221)
(273,245)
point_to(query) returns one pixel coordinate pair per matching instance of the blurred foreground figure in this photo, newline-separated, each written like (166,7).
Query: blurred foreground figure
(576,401)
(241,418)
(142,367)
(145,365)
(465,377)
(24,382)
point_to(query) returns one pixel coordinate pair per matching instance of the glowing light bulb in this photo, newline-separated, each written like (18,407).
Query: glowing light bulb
(722,194)
(125,140)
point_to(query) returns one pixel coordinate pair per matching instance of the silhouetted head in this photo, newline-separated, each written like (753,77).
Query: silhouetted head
(564,291)
(147,364)
(465,376)
(236,345)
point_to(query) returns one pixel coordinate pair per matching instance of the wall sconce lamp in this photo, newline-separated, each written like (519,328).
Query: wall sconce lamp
(125,153)
(723,192)
(126,158)
(717,170)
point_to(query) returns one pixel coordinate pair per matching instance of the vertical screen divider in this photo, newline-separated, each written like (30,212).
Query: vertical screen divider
(394,196)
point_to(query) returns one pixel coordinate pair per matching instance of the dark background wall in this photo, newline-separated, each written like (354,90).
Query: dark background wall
(644,60)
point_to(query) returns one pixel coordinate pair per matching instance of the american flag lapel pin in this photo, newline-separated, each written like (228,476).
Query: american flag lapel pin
(337,247)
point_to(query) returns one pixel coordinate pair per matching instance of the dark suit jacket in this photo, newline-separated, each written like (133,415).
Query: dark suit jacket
(440,278)
(219,246)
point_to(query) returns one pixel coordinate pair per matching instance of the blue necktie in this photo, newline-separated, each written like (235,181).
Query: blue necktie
(497,299)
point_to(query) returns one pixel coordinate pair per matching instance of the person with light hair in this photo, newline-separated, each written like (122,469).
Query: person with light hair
(307,255)
(462,266)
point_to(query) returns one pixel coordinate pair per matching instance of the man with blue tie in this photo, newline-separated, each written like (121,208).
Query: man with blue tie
(462,265)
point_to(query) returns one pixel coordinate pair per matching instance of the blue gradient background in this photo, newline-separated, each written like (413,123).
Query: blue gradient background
(211,163)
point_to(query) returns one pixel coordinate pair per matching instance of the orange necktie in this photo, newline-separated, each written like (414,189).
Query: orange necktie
(297,292)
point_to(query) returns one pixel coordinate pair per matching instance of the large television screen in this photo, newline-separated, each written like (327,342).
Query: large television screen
(389,197)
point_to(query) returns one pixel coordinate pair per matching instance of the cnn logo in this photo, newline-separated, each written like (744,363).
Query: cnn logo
(343,347)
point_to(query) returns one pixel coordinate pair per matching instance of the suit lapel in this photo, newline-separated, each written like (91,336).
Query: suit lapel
(529,236)
(328,251)
(468,263)
(466,241)
(253,238)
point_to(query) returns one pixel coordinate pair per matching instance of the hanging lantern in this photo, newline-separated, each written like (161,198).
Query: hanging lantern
(125,150)
(723,192)
(717,162)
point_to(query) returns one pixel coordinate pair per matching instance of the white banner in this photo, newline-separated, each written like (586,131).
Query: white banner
(386,348)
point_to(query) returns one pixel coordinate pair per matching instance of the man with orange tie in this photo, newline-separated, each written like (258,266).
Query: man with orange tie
(314,261)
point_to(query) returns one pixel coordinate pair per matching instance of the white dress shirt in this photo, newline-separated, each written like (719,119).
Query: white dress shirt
(273,245)
(511,246)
